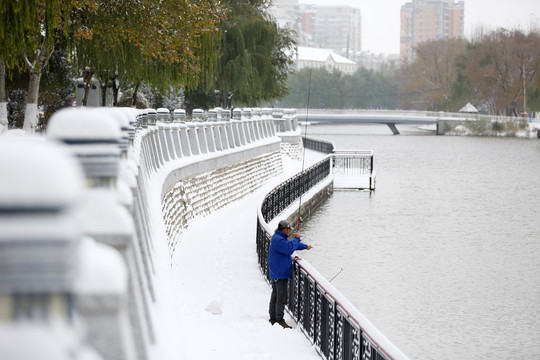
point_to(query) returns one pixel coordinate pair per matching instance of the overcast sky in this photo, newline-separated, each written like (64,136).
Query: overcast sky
(380,18)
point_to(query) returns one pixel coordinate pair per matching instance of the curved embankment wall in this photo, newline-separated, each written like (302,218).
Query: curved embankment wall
(186,171)
(190,195)
(190,170)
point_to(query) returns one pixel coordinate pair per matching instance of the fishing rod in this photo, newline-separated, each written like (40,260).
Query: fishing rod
(304,148)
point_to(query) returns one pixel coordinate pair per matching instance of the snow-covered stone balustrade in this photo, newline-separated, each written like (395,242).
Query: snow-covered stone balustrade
(334,326)
(85,245)
(288,130)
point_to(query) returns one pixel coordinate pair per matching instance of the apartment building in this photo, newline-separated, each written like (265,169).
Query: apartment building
(423,20)
(338,28)
(331,27)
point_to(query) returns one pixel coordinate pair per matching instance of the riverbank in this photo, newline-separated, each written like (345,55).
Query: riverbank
(512,127)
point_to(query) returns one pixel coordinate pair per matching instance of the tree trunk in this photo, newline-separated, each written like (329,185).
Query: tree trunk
(103,87)
(35,71)
(3,96)
(115,89)
(87,82)
(31,112)
(134,100)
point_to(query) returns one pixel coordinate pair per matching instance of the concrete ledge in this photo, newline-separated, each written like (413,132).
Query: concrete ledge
(219,161)
(311,203)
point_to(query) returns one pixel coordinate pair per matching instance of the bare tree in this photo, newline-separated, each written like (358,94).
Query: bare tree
(430,78)
(501,66)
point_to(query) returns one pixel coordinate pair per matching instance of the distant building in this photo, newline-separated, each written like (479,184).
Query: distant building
(317,58)
(423,20)
(307,15)
(338,28)
(285,12)
(330,27)
(377,62)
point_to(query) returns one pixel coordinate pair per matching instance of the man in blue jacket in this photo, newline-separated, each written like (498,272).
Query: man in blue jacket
(280,266)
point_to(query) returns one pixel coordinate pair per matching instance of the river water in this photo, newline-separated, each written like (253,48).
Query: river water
(444,256)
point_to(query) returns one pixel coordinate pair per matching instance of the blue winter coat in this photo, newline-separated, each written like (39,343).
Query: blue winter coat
(279,255)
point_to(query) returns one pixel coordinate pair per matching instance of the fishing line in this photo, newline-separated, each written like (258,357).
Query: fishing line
(304,148)
(335,276)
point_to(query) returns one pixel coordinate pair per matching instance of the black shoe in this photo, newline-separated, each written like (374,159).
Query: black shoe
(284,324)
(272,321)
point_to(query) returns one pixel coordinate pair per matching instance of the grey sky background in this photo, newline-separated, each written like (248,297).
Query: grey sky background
(380,18)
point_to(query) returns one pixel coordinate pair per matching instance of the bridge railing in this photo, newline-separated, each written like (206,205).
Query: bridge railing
(336,328)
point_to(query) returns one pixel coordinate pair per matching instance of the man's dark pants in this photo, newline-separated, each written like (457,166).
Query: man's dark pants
(278,300)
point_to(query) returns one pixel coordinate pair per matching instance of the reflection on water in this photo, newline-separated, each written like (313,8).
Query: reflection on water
(444,256)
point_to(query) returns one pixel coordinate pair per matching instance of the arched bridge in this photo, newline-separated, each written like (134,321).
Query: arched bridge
(388,117)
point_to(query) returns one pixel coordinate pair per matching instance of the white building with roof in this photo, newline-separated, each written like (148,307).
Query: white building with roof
(323,58)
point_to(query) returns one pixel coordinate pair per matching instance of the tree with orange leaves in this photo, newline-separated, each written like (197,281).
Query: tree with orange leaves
(153,41)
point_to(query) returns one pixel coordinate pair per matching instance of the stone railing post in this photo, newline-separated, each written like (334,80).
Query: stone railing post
(210,137)
(238,129)
(229,131)
(193,138)
(257,113)
(165,119)
(175,138)
(279,122)
(222,134)
(268,122)
(184,139)
(162,129)
(248,125)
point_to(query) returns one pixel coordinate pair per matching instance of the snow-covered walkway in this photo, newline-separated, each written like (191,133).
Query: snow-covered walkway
(216,265)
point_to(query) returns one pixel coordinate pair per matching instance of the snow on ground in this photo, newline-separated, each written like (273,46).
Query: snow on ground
(215,267)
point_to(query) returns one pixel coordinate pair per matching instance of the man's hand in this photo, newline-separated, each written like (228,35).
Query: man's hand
(297,234)
(309,247)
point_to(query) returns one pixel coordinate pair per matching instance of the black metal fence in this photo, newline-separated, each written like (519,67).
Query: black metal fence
(326,323)
(325,147)
(283,195)
(316,309)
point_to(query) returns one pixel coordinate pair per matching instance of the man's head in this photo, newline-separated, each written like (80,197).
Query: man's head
(284,227)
